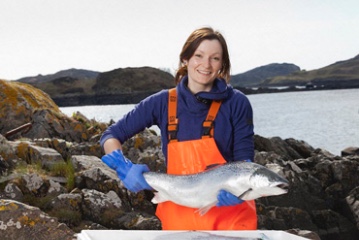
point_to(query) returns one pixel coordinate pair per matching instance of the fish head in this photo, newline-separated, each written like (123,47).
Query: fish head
(264,182)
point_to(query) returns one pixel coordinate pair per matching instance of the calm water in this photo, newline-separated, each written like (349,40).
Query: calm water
(325,119)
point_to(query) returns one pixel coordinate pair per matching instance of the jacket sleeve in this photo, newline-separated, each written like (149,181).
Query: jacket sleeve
(145,114)
(243,130)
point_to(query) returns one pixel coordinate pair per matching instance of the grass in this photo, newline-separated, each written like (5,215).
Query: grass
(66,170)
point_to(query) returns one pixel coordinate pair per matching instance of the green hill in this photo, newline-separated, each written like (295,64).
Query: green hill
(256,76)
(340,74)
(75,87)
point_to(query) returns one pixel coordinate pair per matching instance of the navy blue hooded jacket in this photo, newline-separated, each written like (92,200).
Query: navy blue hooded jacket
(233,126)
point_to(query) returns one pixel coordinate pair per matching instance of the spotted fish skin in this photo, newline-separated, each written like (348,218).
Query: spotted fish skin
(246,180)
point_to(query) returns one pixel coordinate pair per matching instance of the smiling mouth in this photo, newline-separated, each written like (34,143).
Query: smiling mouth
(204,72)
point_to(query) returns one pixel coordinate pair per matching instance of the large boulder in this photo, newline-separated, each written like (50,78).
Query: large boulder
(21,104)
(20,221)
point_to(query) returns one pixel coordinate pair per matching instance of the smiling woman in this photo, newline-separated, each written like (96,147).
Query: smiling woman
(203,121)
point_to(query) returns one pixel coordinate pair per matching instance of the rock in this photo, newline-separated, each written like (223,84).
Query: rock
(350,151)
(333,225)
(67,149)
(12,191)
(284,218)
(139,221)
(49,124)
(4,166)
(33,154)
(32,182)
(8,156)
(145,148)
(92,173)
(276,145)
(55,187)
(102,208)
(20,221)
(18,101)
(301,147)
(22,103)
(304,233)
(86,148)
(353,201)
(67,208)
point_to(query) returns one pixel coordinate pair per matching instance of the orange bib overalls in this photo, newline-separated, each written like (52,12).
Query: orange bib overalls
(194,156)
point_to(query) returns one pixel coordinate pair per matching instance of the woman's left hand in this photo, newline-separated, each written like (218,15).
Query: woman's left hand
(226,198)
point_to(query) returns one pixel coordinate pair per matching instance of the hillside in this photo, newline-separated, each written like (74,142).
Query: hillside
(72,73)
(256,76)
(131,80)
(75,87)
(337,75)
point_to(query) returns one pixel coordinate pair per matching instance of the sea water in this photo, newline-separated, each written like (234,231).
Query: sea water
(327,119)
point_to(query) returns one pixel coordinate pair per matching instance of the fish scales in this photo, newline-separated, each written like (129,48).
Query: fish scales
(245,179)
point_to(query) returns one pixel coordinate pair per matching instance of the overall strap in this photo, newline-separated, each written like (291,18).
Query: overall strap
(172,127)
(208,128)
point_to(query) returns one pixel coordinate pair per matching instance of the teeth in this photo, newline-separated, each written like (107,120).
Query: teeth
(204,72)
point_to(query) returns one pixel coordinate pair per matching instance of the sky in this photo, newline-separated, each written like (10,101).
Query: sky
(47,36)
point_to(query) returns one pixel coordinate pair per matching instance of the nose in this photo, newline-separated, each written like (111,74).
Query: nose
(207,62)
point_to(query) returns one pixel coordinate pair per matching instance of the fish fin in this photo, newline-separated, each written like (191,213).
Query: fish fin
(213,166)
(205,209)
(244,193)
(158,198)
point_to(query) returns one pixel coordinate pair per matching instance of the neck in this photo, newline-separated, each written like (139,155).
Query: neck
(196,88)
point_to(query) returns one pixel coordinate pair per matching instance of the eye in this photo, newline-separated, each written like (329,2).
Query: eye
(198,55)
(216,58)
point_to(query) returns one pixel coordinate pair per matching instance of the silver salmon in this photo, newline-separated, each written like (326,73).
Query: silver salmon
(246,180)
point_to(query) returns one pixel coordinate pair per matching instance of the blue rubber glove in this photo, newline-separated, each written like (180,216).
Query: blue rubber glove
(226,198)
(130,174)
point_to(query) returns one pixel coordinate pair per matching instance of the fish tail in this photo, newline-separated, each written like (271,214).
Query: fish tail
(205,209)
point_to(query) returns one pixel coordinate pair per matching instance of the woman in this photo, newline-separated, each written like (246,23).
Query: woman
(203,122)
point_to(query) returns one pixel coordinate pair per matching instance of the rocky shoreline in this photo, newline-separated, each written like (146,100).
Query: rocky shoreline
(322,202)
(53,183)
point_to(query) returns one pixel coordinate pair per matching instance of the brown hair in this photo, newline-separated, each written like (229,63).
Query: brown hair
(192,43)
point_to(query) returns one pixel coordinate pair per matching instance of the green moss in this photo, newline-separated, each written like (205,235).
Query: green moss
(29,168)
(109,215)
(138,142)
(40,202)
(66,170)
(69,217)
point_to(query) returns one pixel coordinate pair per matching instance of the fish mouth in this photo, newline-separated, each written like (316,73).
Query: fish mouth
(283,186)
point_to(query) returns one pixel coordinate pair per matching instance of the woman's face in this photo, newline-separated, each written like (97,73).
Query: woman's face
(203,67)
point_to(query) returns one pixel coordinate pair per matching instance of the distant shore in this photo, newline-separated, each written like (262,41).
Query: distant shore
(279,89)
(136,97)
